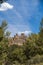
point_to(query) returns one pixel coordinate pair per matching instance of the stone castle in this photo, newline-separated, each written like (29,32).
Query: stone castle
(18,39)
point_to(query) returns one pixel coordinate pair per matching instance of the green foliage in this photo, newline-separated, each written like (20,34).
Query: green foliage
(16,54)
(35,60)
(4,25)
(41,32)
(1,33)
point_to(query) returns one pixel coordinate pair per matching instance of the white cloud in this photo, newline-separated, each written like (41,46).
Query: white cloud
(5,6)
(25,32)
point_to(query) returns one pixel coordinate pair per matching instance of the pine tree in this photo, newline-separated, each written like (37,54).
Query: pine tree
(41,33)
(3,28)
(41,30)
(1,33)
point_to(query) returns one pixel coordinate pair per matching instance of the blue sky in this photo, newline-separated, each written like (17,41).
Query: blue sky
(22,15)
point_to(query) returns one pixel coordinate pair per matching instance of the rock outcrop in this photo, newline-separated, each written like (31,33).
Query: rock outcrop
(18,39)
